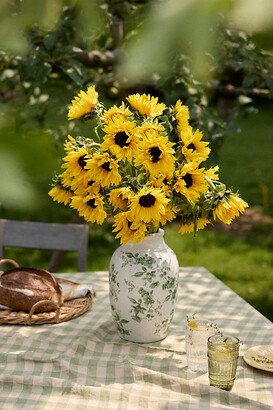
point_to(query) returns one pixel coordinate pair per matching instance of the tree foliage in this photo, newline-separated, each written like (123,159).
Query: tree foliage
(64,59)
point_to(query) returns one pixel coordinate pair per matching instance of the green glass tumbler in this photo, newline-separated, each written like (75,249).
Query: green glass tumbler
(223,353)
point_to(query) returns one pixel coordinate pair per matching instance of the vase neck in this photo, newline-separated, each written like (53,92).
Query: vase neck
(154,237)
(150,241)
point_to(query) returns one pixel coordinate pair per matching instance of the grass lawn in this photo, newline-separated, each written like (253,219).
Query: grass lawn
(245,265)
(246,159)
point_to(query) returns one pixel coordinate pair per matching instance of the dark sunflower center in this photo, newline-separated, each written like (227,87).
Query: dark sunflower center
(188,180)
(82,162)
(191,146)
(91,203)
(106,166)
(155,153)
(121,139)
(146,200)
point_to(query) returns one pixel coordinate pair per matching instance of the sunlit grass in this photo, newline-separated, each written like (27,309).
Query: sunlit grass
(244,264)
(246,159)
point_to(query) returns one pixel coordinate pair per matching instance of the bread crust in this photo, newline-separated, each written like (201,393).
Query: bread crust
(22,287)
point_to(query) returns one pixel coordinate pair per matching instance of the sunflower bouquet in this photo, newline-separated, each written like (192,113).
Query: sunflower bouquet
(143,167)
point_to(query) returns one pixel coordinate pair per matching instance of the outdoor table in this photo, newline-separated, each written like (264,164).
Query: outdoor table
(84,364)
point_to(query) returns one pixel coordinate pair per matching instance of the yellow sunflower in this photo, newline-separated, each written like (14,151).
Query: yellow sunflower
(75,162)
(228,209)
(170,214)
(80,184)
(192,227)
(61,194)
(120,139)
(85,185)
(146,105)
(67,179)
(156,154)
(119,198)
(190,181)
(212,173)
(146,127)
(69,144)
(90,207)
(83,104)
(182,116)
(193,148)
(114,111)
(128,229)
(149,205)
(103,168)
(163,182)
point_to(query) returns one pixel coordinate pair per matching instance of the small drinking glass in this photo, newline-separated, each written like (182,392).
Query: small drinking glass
(223,353)
(197,334)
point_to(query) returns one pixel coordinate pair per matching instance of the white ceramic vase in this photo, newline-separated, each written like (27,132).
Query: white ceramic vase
(143,286)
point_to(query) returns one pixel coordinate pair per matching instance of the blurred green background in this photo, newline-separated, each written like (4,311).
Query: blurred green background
(206,53)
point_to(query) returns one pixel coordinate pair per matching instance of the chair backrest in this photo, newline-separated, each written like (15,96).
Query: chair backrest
(45,235)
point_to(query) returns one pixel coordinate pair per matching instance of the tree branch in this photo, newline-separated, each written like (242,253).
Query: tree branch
(117,29)
(232,91)
(96,58)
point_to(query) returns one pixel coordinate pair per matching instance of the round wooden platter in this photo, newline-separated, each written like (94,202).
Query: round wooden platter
(69,310)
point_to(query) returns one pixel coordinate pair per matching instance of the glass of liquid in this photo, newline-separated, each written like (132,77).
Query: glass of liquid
(223,353)
(196,336)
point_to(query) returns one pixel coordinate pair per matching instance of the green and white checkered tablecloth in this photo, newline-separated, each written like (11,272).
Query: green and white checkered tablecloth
(83,364)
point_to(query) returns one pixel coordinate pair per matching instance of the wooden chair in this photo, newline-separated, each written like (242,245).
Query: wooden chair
(45,235)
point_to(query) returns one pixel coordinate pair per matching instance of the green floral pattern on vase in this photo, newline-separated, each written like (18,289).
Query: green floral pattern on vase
(143,286)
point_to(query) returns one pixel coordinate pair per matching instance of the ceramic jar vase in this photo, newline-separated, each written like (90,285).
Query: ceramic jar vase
(143,286)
